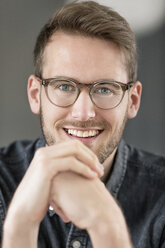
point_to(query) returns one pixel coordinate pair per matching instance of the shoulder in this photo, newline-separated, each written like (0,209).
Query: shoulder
(14,161)
(19,150)
(142,169)
(145,169)
(144,159)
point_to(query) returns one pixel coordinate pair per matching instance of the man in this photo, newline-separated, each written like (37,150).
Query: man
(81,185)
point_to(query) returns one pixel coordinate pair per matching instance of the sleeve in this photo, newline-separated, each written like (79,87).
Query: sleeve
(2,215)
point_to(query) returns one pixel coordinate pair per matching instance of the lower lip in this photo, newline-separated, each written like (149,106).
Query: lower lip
(86,140)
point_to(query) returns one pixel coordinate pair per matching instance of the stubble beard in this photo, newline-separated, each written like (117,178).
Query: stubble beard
(104,150)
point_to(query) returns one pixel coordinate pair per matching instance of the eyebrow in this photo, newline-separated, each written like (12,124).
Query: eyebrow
(79,82)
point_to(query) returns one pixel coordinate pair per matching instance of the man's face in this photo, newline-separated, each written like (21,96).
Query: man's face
(86,60)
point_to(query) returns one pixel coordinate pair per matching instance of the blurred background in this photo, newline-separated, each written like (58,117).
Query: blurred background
(20,23)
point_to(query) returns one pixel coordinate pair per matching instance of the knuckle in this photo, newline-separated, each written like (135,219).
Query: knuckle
(43,163)
(40,154)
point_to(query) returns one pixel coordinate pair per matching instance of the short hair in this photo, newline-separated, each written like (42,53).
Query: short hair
(90,19)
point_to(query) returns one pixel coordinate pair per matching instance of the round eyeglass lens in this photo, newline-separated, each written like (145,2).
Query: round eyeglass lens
(62,93)
(107,95)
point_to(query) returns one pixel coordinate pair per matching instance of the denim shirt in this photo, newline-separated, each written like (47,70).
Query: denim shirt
(137,182)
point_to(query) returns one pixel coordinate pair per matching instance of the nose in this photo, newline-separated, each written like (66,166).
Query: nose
(83,109)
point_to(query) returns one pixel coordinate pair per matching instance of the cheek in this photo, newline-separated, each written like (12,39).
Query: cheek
(51,113)
(114,117)
(55,114)
(110,116)
(49,110)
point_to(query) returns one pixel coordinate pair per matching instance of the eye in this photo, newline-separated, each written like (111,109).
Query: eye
(103,91)
(107,89)
(66,87)
(63,86)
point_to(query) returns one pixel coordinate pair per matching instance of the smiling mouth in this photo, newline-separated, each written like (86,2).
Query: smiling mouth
(83,134)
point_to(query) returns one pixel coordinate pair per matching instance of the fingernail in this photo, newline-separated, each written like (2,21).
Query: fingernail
(94,174)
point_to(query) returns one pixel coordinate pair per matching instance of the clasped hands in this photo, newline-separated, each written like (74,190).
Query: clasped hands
(67,177)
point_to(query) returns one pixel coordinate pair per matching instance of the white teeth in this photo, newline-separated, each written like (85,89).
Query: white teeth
(75,132)
(82,134)
(85,134)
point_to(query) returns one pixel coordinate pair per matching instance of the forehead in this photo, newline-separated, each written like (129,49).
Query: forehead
(83,58)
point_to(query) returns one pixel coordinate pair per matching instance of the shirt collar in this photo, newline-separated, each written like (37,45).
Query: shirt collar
(119,169)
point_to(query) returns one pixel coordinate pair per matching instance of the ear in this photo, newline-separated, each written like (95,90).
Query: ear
(134,99)
(33,90)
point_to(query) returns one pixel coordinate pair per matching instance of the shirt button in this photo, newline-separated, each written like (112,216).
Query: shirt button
(76,244)
(51,208)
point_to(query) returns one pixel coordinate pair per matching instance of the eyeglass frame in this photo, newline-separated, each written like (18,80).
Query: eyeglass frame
(124,87)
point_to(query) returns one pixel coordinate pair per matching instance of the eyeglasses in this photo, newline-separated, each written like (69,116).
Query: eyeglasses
(63,92)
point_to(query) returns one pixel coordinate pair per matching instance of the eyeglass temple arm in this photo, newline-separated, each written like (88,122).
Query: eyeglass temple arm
(42,81)
(129,85)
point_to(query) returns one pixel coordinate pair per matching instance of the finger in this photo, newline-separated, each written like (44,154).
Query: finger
(77,149)
(71,164)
